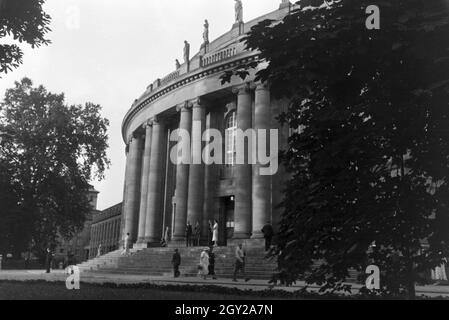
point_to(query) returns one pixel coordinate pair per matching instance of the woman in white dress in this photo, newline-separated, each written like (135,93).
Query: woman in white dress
(126,245)
(99,251)
(215,233)
(204,264)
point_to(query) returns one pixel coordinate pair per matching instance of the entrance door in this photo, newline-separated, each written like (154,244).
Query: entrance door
(226,220)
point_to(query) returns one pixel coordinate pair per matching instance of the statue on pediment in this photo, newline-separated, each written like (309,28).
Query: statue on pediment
(206,32)
(238,11)
(186,52)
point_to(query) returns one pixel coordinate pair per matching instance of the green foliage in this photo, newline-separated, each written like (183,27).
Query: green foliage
(369,162)
(25,22)
(52,152)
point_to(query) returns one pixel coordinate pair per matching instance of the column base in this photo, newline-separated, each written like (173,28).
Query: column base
(247,243)
(257,235)
(151,240)
(177,243)
(178,238)
(140,245)
(241,236)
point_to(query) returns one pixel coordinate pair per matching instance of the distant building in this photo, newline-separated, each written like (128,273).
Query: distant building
(77,249)
(105,230)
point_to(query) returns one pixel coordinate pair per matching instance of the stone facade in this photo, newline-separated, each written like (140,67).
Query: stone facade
(160,194)
(105,230)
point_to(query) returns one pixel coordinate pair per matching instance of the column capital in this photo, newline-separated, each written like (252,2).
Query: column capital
(184,107)
(147,124)
(261,85)
(232,106)
(242,89)
(155,120)
(197,103)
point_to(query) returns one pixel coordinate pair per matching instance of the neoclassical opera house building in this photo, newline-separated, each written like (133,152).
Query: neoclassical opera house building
(160,194)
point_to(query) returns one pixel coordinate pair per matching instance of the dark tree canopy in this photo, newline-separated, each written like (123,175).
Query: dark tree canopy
(25,22)
(50,154)
(369,163)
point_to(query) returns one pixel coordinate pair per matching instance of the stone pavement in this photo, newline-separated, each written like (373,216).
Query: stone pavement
(255,285)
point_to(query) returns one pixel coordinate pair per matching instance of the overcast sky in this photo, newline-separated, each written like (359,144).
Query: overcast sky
(109,51)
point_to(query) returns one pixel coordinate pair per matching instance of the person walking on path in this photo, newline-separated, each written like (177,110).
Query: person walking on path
(176,262)
(215,233)
(197,234)
(240,256)
(212,263)
(203,268)
(268,234)
(48,260)
(189,232)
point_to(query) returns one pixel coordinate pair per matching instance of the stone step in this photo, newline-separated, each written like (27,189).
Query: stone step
(157,261)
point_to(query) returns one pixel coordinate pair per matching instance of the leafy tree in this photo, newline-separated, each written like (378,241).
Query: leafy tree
(52,153)
(369,163)
(26,22)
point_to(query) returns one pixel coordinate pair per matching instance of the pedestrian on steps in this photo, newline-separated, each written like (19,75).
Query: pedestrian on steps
(212,263)
(189,232)
(215,233)
(203,268)
(268,234)
(176,262)
(126,245)
(239,265)
(197,234)
(99,251)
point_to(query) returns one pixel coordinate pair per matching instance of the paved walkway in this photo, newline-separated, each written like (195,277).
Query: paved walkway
(255,285)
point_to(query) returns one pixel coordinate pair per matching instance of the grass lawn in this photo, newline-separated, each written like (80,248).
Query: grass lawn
(39,290)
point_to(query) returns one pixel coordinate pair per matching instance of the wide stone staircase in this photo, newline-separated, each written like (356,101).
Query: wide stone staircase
(108,260)
(157,262)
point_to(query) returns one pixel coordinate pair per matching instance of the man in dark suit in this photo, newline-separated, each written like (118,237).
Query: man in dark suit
(48,259)
(212,263)
(176,262)
(189,233)
(268,233)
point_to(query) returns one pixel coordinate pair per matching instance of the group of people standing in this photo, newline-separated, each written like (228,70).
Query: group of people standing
(206,266)
(193,235)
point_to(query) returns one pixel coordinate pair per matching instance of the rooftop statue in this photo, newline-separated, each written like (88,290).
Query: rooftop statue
(238,11)
(206,32)
(186,52)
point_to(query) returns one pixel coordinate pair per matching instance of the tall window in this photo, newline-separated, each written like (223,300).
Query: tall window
(230,136)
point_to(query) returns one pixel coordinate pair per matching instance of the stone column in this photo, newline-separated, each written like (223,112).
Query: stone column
(212,177)
(243,172)
(261,183)
(153,223)
(144,186)
(196,174)
(122,215)
(133,181)
(182,179)
(102,234)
